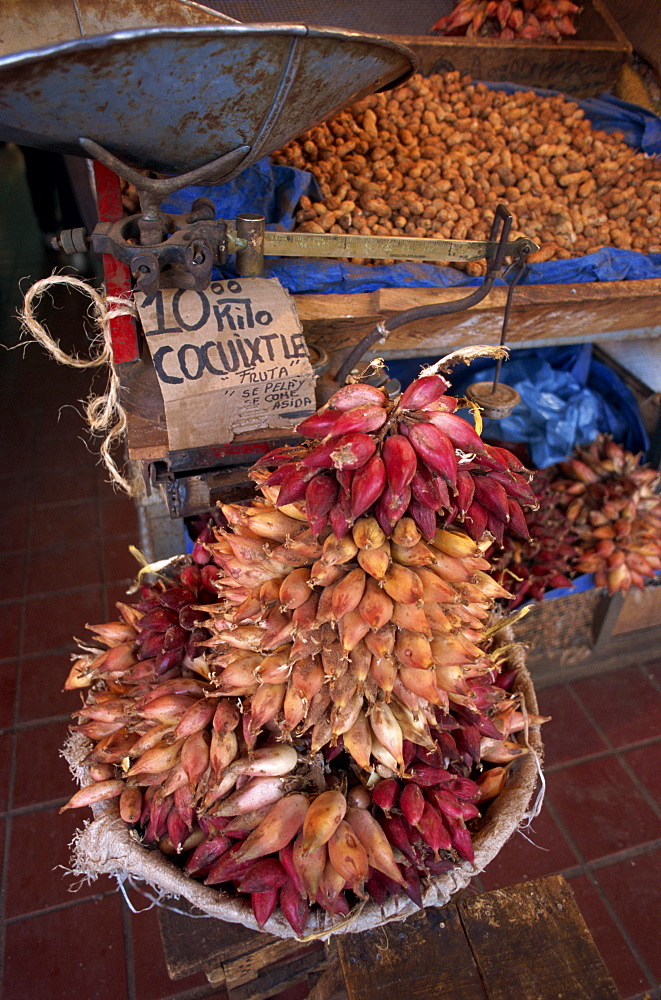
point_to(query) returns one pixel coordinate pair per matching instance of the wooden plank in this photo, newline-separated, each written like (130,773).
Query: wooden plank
(541,314)
(538,318)
(425,958)
(246,967)
(194,945)
(617,295)
(640,610)
(330,986)
(530,940)
(279,979)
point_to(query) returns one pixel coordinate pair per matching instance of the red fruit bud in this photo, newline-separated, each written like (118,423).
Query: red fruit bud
(208,574)
(320,496)
(422,392)
(491,494)
(411,884)
(367,485)
(445,802)
(319,424)
(206,854)
(436,450)
(385,794)
(294,486)
(400,461)
(376,889)
(427,776)
(279,455)
(357,394)
(175,598)
(475,520)
(278,477)
(516,487)
(158,619)
(200,554)
(460,432)
(262,876)
(517,524)
(424,488)
(361,419)
(352,451)
(175,637)
(399,836)
(390,507)
(432,830)
(465,490)
(340,515)
(424,517)
(190,577)
(464,789)
(227,867)
(294,907)
(412,803)
(460,837)
(263,904)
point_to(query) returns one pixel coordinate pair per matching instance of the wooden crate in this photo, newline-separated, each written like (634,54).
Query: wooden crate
(581,634)
(584,65)
(542,316)
(524,941)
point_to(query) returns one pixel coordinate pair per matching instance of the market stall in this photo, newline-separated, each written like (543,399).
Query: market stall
(318,717)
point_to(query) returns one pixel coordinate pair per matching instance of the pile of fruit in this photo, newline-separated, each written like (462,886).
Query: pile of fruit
(598,512)
(507,19)
(437,155)
(315,711)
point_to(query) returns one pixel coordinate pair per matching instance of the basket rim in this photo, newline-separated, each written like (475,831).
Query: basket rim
(107,846)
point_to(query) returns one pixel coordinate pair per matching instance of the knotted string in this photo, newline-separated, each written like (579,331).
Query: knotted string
(105,414)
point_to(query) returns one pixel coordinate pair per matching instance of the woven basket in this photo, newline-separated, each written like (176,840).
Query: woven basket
(107,846)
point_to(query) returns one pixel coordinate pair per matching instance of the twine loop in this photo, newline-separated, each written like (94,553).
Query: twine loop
(104,413)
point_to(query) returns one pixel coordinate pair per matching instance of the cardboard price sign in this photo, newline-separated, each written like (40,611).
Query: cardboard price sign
(229,359)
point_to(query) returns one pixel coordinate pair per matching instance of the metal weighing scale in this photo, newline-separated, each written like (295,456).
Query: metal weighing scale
(195,97)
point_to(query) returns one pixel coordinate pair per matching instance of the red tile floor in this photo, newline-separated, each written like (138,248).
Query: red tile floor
(64,560)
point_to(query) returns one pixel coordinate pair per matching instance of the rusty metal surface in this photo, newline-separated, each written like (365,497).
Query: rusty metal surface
(43,22)
(172,100)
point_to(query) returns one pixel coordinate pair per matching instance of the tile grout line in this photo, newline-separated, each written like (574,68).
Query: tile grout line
(617,752)
(38,806)
(129,956)
(34,723)
(16,710)
(43,594)
(58,907)
(650,677)
(599,754)
(629,854)
(638,784)
(602,896)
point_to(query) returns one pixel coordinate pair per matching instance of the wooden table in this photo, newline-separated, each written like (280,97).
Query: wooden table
(526,942)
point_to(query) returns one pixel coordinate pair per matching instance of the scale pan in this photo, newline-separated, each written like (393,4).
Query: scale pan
(175,99)
(45,23)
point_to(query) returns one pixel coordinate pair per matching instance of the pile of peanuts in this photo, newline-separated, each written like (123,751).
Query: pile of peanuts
(434,158)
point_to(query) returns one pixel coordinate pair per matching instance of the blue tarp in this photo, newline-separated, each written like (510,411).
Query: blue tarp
(275,191)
